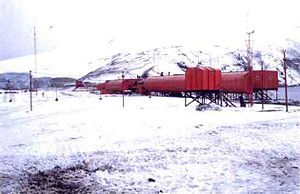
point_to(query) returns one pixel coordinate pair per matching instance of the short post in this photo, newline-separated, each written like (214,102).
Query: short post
(56,99)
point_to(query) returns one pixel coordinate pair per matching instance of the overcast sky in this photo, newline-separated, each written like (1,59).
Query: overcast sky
(96,26)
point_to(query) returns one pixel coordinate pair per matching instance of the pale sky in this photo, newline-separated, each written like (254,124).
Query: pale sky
(97,26)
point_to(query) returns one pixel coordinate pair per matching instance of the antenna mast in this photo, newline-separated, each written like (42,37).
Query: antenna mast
(249,64)
(34,43)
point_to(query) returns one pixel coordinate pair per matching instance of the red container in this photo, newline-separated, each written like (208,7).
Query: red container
(118,86)
(218,76)
(211,78)
(191,79)
(130,84)
(196,79)
(269,81)
(175,83)
(236,82)
(203,79)
(214,78)
(113,87)
(101,87)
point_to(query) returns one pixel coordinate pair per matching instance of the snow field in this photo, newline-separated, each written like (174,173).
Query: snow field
(182,150)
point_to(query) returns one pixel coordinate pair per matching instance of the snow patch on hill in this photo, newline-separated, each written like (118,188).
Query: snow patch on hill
(174,59)
(169,60)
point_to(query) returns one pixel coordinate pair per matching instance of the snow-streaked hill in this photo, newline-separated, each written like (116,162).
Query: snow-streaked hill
(174,59)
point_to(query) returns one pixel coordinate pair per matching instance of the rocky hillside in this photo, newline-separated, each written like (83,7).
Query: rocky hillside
(174,60)
(169,60)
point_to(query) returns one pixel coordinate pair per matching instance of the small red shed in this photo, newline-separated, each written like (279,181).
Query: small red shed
(265,79)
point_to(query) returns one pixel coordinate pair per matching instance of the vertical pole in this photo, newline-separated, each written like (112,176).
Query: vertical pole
(123,88)
(249,57)
(154,57)
(30,90)
(56,99)
(34,43)
(285,80)
(35,58)
(221,99)
(262,85)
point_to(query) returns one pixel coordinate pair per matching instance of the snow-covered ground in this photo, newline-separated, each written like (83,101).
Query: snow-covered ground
(152,145)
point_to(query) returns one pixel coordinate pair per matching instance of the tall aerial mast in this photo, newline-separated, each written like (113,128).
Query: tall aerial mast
(34,44)
(249,67)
